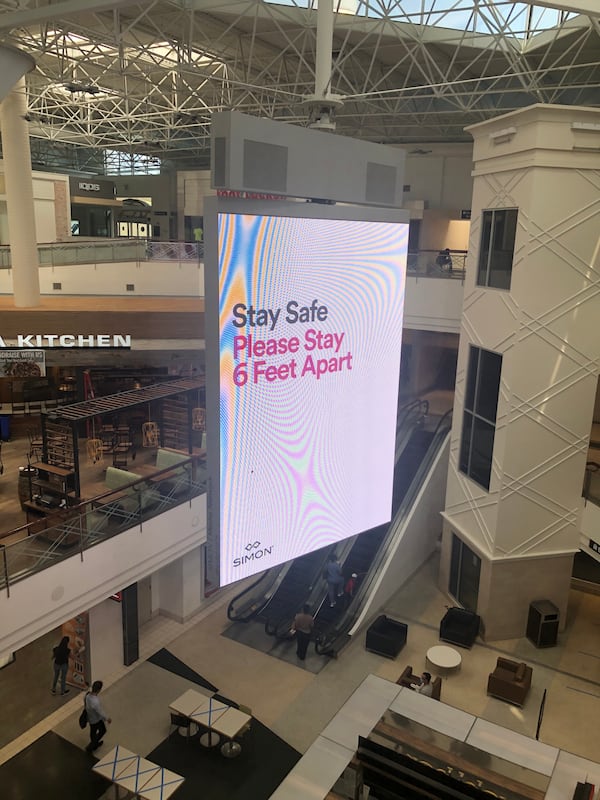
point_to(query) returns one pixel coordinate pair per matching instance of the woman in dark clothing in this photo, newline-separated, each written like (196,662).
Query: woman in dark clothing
(60,654)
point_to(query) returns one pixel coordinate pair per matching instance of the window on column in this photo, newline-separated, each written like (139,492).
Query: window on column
(479,416)
(465,568)
(498,231)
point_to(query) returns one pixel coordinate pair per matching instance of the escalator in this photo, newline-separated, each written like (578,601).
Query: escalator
(276,597)
(361,554)
(368,554)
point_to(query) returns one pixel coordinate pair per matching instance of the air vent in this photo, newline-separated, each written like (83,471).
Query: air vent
(381,183)
(130,287)
(57,286)
(265,166)
(219,161)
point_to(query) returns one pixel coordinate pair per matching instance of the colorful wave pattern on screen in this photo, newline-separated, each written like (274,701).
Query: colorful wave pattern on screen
(308,462)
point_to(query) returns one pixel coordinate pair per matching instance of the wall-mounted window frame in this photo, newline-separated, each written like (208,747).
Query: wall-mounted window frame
(465,572)
(497,247)
(482,390)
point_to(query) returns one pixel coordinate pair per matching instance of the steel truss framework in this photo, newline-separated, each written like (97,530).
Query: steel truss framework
(145,77)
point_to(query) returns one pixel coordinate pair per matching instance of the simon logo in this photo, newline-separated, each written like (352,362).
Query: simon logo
(253,552)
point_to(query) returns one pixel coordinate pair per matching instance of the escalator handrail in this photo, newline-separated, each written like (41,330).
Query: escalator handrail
(325,643)
(255,608)
(316,591)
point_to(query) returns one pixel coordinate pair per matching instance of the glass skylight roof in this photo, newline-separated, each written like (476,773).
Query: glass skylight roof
(517,19)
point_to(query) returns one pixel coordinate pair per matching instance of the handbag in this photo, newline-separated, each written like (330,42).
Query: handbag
(83,717)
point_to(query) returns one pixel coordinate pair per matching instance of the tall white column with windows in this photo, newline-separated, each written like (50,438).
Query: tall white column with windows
(528,365)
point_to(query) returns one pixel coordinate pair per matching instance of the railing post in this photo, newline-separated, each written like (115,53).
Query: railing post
(5,569)
(81,535)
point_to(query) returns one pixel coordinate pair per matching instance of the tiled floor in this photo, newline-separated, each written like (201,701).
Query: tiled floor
(297,705)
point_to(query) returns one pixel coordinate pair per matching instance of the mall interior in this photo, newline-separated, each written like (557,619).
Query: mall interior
(478,125)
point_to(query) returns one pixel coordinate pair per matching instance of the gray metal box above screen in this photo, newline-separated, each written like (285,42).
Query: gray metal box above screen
(258,155)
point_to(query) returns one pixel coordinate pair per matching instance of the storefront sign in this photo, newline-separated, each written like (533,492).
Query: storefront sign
(97,188)
(243,195)
(70,340)
(22,364)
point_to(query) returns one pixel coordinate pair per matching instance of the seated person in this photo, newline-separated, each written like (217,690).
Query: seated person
(424,686)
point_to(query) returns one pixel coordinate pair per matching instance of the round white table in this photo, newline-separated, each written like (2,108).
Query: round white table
(443,657)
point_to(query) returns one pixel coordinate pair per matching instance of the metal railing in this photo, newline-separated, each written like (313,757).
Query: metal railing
(423,263)
(61,535)
(107,251)
(428,264)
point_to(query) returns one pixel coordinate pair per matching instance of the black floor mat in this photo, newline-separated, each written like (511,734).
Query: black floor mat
(51,768)
(264,762)
(163,658)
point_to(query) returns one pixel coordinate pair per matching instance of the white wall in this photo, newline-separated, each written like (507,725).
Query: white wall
(106,639)
(45,202)
(433,304)
(179,586)
(42,602)
(441,176)
(152,278)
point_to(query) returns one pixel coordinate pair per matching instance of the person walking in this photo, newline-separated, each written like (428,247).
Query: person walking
(96,716)
(302,626)
(334,578)
(60,654)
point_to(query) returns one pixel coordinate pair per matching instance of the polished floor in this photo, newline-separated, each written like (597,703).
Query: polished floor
(296,704)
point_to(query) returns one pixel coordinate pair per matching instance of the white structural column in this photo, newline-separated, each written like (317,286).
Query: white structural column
(545,162)
(179,587)
(19,195)
(324,44)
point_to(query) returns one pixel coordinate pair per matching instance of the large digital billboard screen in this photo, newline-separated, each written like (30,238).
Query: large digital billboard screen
(309,330)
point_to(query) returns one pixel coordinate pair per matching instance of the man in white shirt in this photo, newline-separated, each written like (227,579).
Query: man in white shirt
(96,716)
(424,686)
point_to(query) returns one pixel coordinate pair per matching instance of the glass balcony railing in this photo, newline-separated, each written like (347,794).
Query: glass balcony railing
(431,264)
(61,535)
(107,251)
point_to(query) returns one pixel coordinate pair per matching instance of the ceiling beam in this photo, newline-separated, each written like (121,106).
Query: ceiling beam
(589,8)
(32,16)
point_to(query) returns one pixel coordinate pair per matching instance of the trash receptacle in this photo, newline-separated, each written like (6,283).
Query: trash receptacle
(26,475)
(4,427)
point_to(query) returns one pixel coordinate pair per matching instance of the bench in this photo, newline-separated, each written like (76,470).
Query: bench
(130,500)
(176,483)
